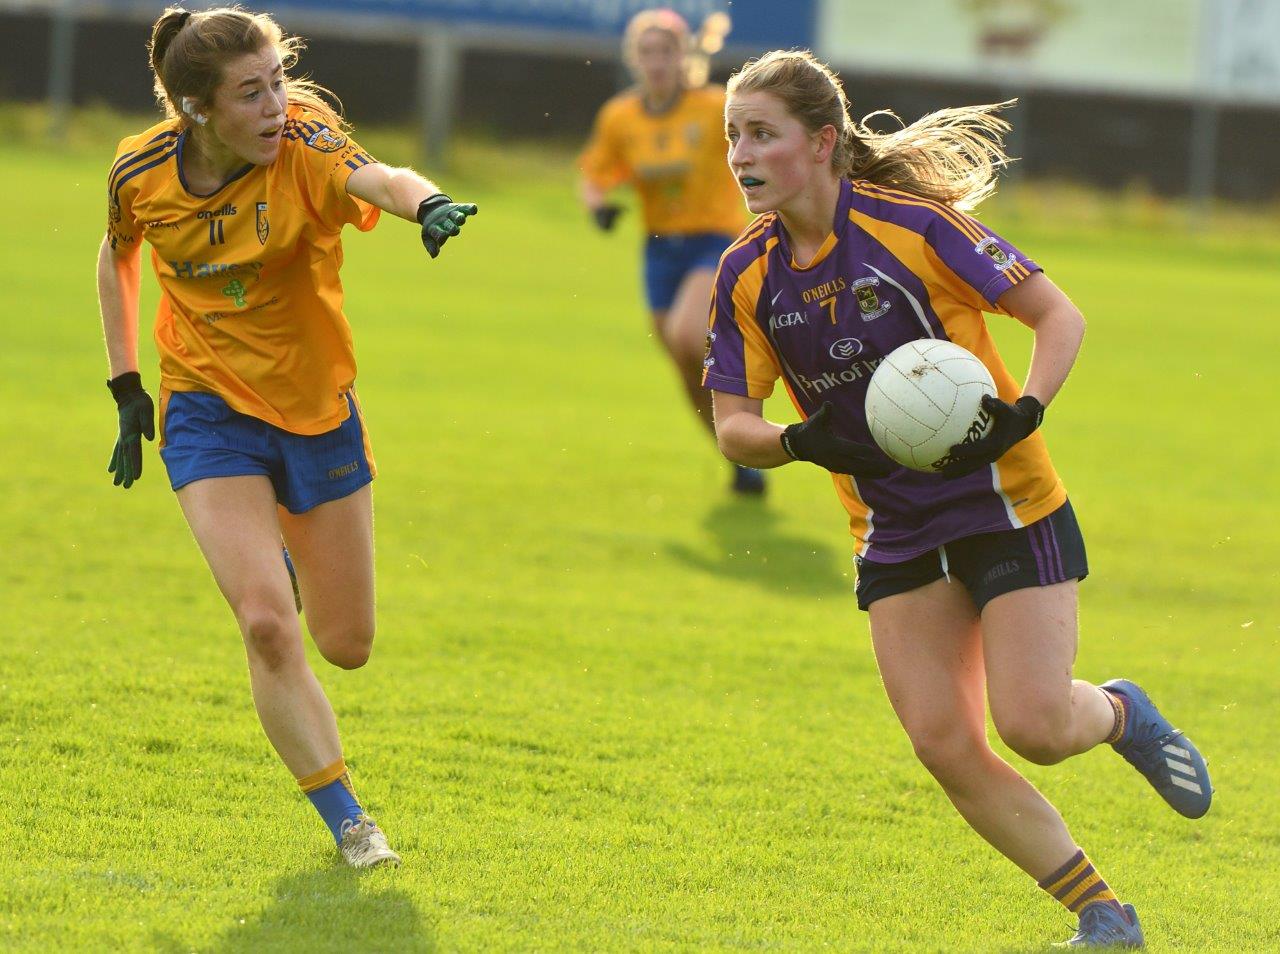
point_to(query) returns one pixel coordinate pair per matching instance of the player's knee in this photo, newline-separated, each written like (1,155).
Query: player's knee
(348,648)
(270,634)
(1037,737)
(949,753)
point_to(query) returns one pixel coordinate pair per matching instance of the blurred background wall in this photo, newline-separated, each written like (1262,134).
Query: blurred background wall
(1179,96)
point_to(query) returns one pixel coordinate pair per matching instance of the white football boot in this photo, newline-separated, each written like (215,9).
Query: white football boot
(363,844)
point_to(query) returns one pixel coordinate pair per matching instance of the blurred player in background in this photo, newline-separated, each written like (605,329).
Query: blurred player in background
(970,577)
(242,192)
(665,137)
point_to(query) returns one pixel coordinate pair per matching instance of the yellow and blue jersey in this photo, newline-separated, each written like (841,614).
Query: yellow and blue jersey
(895,268)
(675,160)
(251,301)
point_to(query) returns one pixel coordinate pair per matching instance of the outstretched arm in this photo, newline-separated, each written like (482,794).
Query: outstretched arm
(398,191)
(404,193)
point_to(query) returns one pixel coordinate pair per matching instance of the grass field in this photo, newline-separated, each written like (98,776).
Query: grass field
(611,708)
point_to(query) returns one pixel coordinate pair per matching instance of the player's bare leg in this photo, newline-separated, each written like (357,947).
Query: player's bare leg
(234,523)
(332,550)
(929,645)
(234,520)
(684,334)
(1029,640)
(683,328)
(1046,716)
(929,649)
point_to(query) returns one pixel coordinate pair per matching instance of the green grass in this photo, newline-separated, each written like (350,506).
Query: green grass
(610,708)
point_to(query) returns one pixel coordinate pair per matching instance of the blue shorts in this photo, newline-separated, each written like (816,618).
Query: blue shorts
(202,437)
(669,258)
(1043,553)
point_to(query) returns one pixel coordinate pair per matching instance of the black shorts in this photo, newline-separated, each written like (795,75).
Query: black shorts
(1048,551)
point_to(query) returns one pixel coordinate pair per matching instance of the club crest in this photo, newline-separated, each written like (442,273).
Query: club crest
(990,247)
(260,219)
(326,140)
(870,307)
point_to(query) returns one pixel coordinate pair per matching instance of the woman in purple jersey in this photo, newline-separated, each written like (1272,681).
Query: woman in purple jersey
(969,577)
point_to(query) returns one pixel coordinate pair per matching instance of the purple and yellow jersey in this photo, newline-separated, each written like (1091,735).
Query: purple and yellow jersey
(676,161)
(896,268)
(251,304)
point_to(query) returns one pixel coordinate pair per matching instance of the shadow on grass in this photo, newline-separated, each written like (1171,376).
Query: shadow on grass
(334,909)
(747,544)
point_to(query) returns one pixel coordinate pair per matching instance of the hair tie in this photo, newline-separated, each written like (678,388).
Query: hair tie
(183,18)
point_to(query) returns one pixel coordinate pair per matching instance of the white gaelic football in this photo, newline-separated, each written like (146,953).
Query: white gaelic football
(925,397)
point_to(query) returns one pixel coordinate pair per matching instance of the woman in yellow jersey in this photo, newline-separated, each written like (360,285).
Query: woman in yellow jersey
(664,137)
(970,576)
(242,192)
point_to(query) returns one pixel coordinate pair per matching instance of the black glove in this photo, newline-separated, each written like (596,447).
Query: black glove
(814,441)
(137,420)
(605,216)
(1010,424)
(441,217)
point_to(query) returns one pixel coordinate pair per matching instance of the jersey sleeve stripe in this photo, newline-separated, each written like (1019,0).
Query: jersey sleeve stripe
(126,157)
(138,170)
(965,225)
(113,180)
(753,232)
(746,299)
(961,222)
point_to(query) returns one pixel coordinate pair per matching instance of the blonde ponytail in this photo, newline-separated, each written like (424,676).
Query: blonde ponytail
(951,156)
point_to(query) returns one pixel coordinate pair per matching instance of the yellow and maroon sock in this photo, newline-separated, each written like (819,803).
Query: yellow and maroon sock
(1076,885)
(331,792)
(1121,709)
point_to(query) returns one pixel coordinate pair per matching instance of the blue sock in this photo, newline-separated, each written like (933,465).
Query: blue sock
(330,791)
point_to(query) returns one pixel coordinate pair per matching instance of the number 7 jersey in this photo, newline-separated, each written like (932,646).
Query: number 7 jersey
(894,268)
(251,302)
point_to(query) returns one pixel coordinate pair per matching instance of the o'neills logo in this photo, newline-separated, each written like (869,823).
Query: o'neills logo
(345,469)
(227,209)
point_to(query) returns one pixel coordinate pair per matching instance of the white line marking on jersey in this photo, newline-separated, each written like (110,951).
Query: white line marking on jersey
(914,302)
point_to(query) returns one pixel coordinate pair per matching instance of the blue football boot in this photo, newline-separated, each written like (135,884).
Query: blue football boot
(748,481)
(1101,925)
(1169,760)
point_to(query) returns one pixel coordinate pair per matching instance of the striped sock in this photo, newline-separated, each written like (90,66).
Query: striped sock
(1121,709)
(1076,885)
(331,792)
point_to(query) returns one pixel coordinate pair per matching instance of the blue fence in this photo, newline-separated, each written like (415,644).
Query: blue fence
(758,24)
